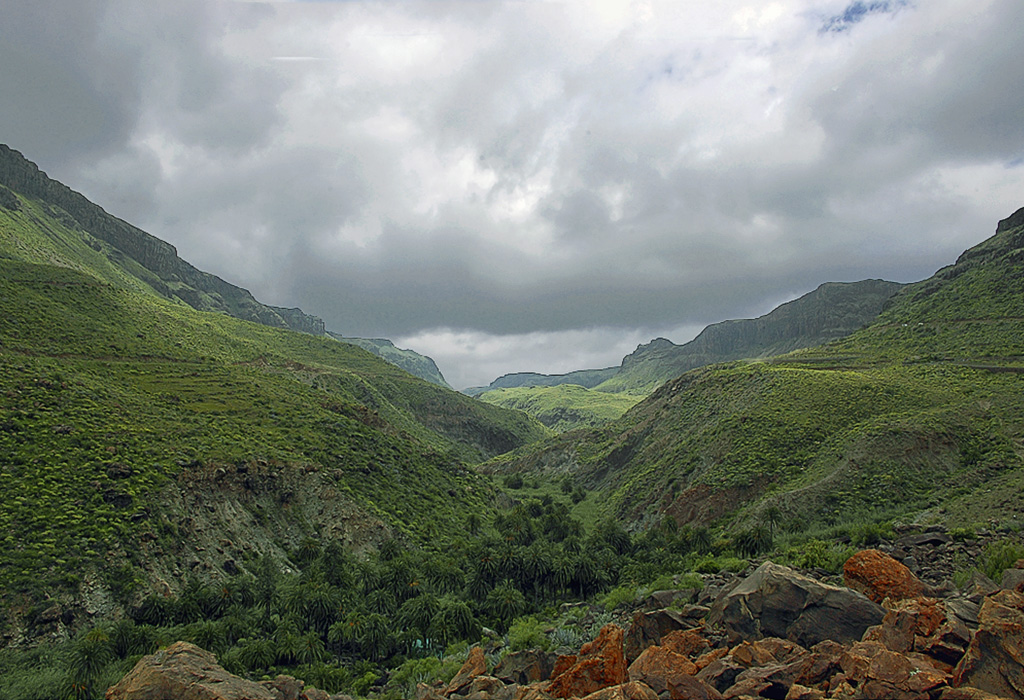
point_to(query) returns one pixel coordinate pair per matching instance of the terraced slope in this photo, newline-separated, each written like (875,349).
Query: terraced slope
(141,439)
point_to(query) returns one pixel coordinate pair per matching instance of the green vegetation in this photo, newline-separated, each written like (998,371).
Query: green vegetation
(118,406)
(412,362)
(563,407)
(916,413)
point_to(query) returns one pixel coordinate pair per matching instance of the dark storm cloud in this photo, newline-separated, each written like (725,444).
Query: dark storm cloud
(549,182)
(65,93)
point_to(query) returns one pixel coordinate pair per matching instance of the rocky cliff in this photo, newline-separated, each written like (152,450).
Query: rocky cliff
(834,310)
(150,259)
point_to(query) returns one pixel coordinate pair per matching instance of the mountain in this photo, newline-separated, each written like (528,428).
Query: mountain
(917,416)
(586,378)
(411,361)
(143,441)
(831,311)
(150,260)
(564,406)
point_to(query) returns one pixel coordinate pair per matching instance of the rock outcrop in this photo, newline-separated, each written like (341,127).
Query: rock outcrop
(776,601)
(183,671)
(756,643)
(879,576)
(600,664)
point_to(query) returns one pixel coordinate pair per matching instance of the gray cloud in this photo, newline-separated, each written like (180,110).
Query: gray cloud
(533,180)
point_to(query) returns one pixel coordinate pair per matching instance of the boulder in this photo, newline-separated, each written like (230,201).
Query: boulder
(287,687)
(1012,579)
(647,628)
(183,671)
(879,576)
(658,667)
(525,667)
(689,643)
(776,601)
(872,672)
(993,661)
(475,665)
(626,691)
(600,664)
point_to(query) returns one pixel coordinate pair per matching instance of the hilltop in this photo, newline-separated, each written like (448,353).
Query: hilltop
(589,398)
(143,439)
(917,416)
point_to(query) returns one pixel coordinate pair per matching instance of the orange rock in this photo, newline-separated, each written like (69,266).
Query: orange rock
(601,664)
(475,665)
(186,672)
(707,657)
(993,661)
(626,691)
(685,642)
(563,664)
(879,576)
(877,673)
(658,667)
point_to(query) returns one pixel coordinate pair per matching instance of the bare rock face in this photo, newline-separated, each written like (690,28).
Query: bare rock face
(183,671)
(872,672)
(993,662)
(525,667)
(475,665)
(776,601)
(648,628)
(600,664)
(879,576)
(660,668)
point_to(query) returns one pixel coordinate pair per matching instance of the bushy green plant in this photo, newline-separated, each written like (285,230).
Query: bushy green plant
(818,554)
(528,633)
(620,595)
(1000,556)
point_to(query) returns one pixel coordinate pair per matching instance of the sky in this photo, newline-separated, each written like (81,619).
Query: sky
(530,185)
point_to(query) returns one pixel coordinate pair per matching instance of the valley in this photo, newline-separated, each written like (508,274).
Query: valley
(183,463)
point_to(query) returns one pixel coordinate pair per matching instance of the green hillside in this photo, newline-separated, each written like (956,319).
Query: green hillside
(832,311)
(138,433)
(563,407)
(918,415)
(412,362)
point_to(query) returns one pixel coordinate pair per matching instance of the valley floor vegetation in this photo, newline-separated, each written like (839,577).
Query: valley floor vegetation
(375,625)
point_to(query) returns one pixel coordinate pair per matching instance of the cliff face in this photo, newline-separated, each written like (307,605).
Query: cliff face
(834,310)
(164,271)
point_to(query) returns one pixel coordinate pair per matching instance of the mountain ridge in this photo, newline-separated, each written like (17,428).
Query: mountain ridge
(921,407)
(830,311)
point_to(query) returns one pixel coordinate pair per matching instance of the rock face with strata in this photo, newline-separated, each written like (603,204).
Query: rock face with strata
(183,671)
(776,601)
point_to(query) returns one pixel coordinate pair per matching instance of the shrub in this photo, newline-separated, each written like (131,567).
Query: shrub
(527,633)
(1000,556)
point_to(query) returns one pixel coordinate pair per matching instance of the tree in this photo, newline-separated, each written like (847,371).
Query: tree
(89,656)
(504,604)
(418,614)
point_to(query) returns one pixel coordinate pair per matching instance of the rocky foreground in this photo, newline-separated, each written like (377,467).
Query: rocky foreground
(774,634)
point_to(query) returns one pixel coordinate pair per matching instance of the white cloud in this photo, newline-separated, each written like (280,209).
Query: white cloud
(530,171)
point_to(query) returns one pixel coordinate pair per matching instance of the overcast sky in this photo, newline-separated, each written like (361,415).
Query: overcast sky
(530,185)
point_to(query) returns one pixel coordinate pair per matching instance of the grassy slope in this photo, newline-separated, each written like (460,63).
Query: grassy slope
(920,412)
(109,394)
(565,406)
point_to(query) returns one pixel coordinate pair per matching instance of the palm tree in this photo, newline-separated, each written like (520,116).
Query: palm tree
(418,613)
(311,649)
(455,621)
(89,656)
(505,603)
